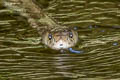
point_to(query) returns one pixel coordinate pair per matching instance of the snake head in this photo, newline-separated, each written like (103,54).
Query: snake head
(62,39)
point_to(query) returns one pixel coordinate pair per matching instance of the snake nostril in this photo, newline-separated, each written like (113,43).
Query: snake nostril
(61,44)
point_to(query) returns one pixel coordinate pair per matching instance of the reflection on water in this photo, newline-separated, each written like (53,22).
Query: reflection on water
(22,56)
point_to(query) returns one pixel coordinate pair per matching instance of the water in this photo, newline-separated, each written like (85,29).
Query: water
(23,56)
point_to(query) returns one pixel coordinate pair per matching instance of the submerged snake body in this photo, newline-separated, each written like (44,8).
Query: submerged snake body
(53,35)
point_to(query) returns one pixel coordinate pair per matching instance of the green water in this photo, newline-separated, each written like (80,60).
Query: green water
(23,57)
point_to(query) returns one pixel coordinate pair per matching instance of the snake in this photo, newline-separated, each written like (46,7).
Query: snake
(54,35)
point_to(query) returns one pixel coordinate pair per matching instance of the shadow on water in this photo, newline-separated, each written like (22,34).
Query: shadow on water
(22,56)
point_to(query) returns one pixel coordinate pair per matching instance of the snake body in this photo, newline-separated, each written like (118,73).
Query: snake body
(54,35)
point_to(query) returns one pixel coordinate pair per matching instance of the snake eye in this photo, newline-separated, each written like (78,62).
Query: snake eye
(70,34)
(50,36)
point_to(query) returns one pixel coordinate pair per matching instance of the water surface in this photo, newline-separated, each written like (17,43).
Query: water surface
(23,56)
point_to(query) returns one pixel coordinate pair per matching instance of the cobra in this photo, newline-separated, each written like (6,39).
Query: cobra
(53,35)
